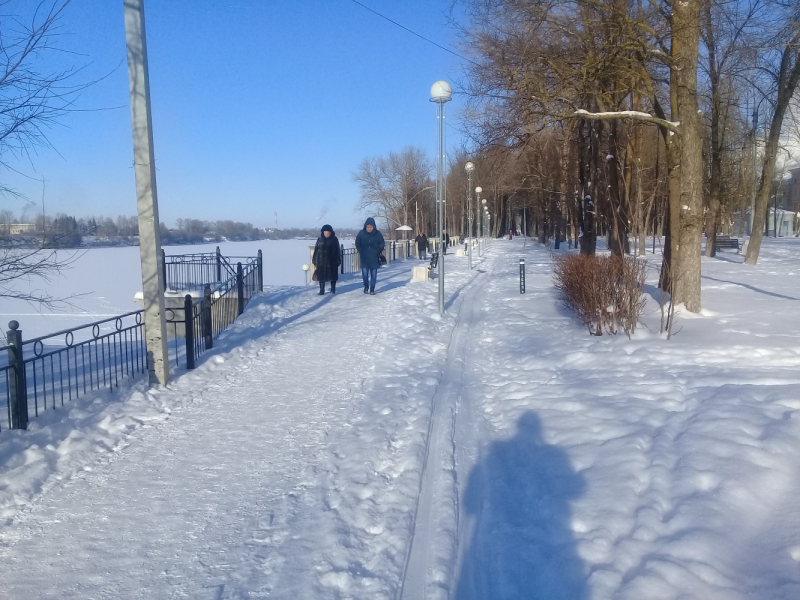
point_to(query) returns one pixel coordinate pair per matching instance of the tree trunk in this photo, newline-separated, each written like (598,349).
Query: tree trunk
(685,52)
(788,78)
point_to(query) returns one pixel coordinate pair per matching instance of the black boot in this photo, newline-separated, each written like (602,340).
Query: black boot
(333,287)
(372,290)
(321,288)
(366,289)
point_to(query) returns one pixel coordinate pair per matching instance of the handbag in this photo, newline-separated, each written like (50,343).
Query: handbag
(381,258)
(314,276)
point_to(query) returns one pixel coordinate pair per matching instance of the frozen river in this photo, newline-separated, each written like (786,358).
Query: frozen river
(102,282)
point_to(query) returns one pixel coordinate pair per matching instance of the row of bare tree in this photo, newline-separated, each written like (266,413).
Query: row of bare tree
(615,117)
(623,117)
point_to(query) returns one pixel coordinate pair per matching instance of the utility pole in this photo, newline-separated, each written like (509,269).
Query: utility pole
(146,196)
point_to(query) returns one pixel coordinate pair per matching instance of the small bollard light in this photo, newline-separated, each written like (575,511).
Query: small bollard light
(521,275)
(305,270)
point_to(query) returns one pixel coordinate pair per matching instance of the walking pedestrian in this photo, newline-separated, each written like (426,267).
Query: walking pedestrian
(422,246)
(327,258)
(369,243)
(511,234)
(445,241)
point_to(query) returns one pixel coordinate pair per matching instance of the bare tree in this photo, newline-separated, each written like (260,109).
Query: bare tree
(390,184)
(34,95)
(781,65)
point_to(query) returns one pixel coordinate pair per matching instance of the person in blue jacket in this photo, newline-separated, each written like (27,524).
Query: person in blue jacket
(369,243)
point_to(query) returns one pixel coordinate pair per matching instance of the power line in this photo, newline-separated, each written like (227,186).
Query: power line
(422,37)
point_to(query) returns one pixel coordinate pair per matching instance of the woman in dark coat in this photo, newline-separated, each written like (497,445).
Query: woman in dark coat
(327,258)
(369,243)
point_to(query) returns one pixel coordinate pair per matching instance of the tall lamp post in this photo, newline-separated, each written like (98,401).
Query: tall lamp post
(469,168)
(441,92)
(485,221)
(478,191)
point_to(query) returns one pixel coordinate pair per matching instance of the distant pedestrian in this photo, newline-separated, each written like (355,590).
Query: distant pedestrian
(511,234)
(327,258)
(445,241)
(422,246)
(369,243)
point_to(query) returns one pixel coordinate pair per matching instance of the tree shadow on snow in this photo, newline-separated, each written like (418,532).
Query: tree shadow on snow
(750,287)
(518,499)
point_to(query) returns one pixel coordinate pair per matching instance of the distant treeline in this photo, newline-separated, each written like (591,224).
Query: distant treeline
(65,231)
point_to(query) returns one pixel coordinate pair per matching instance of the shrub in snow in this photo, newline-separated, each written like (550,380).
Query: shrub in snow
(604,291)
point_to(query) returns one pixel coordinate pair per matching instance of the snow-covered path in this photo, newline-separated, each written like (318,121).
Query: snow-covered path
(363,447)
(196,505)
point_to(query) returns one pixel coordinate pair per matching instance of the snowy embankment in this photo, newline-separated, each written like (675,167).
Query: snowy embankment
(363,447)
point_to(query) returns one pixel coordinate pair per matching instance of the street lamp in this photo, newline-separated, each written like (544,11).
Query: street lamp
(478,191)
(416,212)
(441,92)
(485,222)
(469,168)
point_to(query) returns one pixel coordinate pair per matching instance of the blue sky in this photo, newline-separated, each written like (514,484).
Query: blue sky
(258,107)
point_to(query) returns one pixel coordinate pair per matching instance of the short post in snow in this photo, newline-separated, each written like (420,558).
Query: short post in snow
(260,271)
(305,272)
(188,324)
(18,391)
(521,275)
(240,287)
(208,327)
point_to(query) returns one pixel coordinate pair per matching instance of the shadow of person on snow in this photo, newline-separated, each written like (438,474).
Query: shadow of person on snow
(518,500)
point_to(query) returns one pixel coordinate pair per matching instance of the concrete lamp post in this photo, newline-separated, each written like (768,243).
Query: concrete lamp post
(441,92)
(469,168)
(305,272)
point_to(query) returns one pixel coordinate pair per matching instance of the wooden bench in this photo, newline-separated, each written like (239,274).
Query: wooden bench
(725,241)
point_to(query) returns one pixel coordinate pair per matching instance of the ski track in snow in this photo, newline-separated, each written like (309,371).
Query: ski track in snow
(364,447)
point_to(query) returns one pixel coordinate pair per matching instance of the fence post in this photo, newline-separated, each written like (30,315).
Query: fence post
(521,275)
(189,327)
(260,272)
(164,268)
(18,392)
(341,255)
(208,330)
(240,287)
(219,265)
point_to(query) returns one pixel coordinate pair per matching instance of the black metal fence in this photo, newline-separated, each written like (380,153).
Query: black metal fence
(200,321)
(46,372)
(194,271)
(350,262)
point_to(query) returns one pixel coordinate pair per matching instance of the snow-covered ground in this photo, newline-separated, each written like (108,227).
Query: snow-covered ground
(352,446)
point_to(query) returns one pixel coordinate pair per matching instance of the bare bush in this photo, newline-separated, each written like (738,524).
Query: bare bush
(604,291)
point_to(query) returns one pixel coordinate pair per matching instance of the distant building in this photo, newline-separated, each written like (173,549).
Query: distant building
(786,221)
(793,190)
(20,228)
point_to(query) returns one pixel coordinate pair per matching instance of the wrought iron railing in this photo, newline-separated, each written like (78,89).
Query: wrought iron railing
(62,366)
(46,372)
(200,321)
(350,262)
(194,271)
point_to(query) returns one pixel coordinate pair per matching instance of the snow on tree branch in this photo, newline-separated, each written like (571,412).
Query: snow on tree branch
(628,114)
